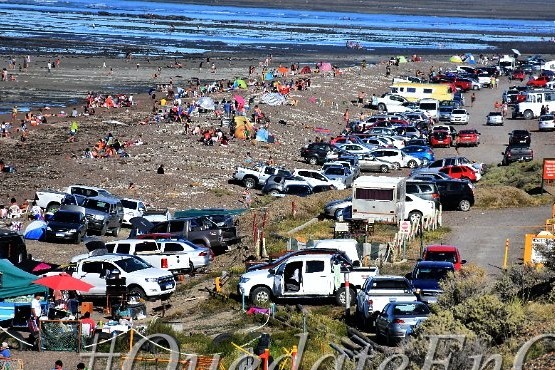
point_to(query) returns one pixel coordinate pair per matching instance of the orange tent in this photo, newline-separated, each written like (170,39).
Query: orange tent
(242,127)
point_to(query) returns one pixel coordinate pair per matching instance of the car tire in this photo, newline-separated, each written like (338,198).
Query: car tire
(415,216)
(464,205)
(412,164)
(249,182)
(528,114)
(340,296)
(337,213)
(273,192)
(313,160)
(396,165)
(384,169)
(137,291)
(382,107)
(261,296)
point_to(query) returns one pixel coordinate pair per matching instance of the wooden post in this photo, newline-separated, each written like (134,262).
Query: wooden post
(506,255)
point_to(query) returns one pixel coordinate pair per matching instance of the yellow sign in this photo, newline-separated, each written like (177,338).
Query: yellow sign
(534,244)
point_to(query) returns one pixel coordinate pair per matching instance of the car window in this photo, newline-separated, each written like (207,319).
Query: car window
(314,266)
(92,267)
(173,247)
(129,204)
(176,226)
(124,248)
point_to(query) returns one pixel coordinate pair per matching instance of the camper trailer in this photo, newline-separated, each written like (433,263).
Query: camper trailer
(416,91)
(379,198)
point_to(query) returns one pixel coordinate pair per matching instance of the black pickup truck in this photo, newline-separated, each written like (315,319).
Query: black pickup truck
(515,153)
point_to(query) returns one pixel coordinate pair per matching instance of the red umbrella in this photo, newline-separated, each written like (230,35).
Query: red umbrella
(63,282)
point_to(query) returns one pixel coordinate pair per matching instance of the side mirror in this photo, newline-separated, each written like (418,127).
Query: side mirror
(272,271)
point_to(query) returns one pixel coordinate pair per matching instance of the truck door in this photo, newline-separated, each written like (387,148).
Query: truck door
(315,278)
(94,273)
(279,283)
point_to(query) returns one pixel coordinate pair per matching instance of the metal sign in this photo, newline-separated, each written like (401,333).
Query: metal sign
(534,246)
(404,227)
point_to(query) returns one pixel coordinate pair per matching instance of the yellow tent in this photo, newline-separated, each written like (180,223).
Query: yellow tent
(455,59)
(243,127)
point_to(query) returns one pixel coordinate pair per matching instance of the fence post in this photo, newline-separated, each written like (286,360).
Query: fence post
(506,255)
(347,297)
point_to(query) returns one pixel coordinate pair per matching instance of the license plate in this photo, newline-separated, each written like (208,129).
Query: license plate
(60,234)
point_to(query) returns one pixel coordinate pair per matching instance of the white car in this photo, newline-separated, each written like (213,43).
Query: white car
(313,178)
(416,208)
(397,158)
(132,208)
(199,256)
(459,116)
(356,149)
(494,119)
(546,122)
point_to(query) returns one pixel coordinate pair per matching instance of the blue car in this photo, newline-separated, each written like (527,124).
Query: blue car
(398,320)
(425,278)
(425,153)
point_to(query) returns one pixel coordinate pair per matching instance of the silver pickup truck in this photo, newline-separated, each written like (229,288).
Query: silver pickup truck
(376,292)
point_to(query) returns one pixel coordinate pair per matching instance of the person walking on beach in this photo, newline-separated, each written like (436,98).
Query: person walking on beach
(49,66)
(213,67)
(472,99)
(346,117)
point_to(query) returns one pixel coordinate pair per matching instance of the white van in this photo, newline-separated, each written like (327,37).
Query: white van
(379,198)
(431,107)
(348,246)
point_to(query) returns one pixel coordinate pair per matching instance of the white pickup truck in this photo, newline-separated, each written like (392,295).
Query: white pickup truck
(141,279)
(378,291)
(50,200)
(317,276)
(257,175)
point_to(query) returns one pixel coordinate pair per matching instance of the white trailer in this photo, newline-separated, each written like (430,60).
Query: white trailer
(379,198)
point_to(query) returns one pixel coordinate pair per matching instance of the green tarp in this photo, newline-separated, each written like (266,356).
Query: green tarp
(16,282)
(208,212)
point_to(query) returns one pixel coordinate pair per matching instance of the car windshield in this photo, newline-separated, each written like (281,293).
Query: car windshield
(334,171)
(98,205)
(459,111)
(70,217)
(441,256)
(132,264)
(432,273)
(410,309)
(131,204)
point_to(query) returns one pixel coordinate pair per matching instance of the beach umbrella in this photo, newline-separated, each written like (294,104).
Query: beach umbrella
(272,99)
(268,76)
(63,282)
(41,267)
(240,100)
(324,67)
(206,103)
(455,59)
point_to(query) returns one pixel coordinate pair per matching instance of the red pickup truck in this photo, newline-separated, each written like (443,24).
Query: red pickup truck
(447,253)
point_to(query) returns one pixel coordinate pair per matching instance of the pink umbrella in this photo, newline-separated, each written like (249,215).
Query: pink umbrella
(240,100)
(41,266)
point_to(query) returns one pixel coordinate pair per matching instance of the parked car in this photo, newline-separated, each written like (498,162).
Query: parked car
(495,119)
(540,81)
(332,208)
(455,194)
(371,163)
(376,293)
(461,172)
(518,74)
(341,176)
(546,122)
(397,157)
(315,177)
(440,139)
(425,189)
(429,176)
(277,183)
(200,257)
(416,208)
(257,175)
(446,253)
(445,113)
(104,215)
(452,161)
(426,276)
(399,319)
(355,169)
(67,224)
(297,190)
(517,154)
(316,153)
(519,137)
(132,208)
(356,149)
(450,129)
(469,137)
(424,153)
(459,116)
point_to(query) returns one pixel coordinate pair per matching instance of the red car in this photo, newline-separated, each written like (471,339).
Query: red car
(518,75)
(541,81)
(460,172)
(440,138)
(446,253)
(468,138)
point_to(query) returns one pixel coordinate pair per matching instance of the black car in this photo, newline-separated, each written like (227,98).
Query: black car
(519,153)
(519,137)
(67,225)
(455,194)
(315,153)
